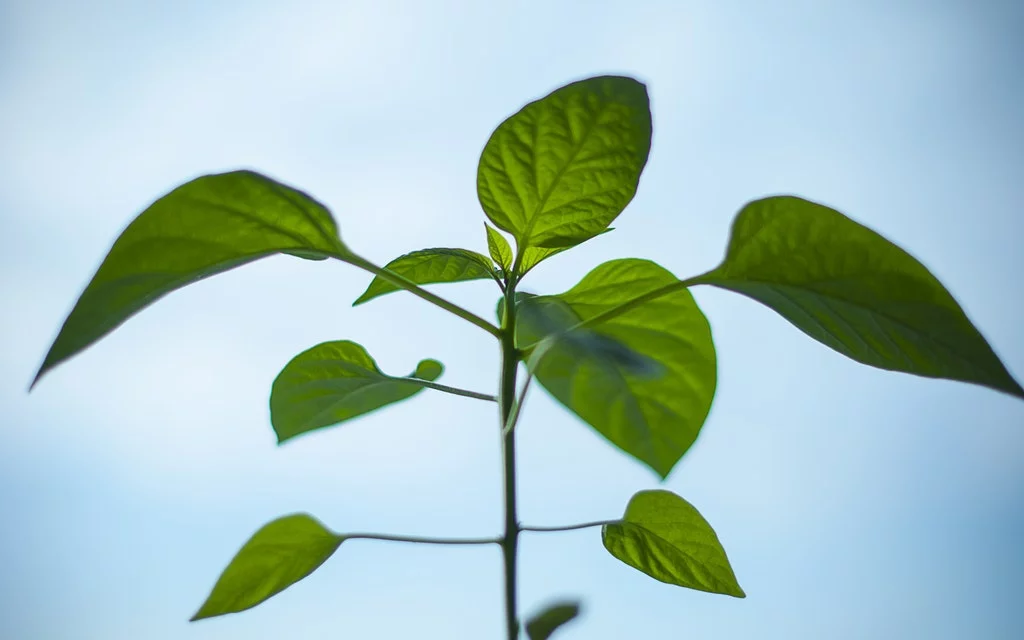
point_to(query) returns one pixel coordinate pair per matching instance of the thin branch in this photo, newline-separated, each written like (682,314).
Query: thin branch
(408,285)
(571,527)
(513,417)
(420,540)
(453,390)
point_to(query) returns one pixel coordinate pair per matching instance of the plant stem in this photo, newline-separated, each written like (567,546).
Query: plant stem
(571,527)
(419,540)
(506,403)
(404,283)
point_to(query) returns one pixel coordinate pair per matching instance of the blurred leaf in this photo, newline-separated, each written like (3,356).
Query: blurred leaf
(665,537)
(644,379)
(562,168)
(542,625)
(204,227)
(854,291)
(499,248)
(277,556)
(337,381)
(430,266)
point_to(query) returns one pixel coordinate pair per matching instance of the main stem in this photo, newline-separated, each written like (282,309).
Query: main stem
(506,400)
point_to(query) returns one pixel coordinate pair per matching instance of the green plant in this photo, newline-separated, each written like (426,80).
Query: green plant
(627,349)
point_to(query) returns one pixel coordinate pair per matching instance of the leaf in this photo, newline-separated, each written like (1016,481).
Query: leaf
(275,557)
(499,248)
(334,382)
(562,168)
(204,227)
(854,291)
(532,256)
(644,379)
(542,625)
(665,537)
(430,266)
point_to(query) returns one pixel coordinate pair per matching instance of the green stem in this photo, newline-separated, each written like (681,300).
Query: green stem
(453,390)
(506,403)
(419,540)
(571,527)
(404,283)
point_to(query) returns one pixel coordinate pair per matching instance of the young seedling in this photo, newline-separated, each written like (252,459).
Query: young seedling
(627,349)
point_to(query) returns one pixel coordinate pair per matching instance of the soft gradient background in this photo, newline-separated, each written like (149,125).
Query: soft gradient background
(854,503)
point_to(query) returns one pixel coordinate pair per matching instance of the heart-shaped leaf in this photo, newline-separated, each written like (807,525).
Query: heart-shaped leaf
(562,168)
(665,537)
(334,382)
(643,379)
(275,557)
(204,227)
(854,291)
(430,266)
(545,623)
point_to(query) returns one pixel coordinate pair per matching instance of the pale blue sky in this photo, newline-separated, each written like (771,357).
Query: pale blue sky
(853,503)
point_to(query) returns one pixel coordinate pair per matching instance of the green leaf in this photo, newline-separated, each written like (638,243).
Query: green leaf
(204,227)
(499,248)
(275,557)
(542,625)
(665,537)
(532,256)
(430,266)
(337,381)
(644,379)
(854,291)
(561,169)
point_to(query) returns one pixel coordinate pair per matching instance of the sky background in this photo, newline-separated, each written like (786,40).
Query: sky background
(853,503)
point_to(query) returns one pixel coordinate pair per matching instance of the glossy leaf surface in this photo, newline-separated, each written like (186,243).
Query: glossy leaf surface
(644,379)
(277,556)
(545,623)
(854,291)
(499,248)
(334,382)
(430,266)
(665,537)
(562,168)
(202,228)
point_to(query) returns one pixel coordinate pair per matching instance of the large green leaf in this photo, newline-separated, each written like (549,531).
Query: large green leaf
(204,227)
(430,266)
(337,381)
(546,622)
(665,537)
(275,557)
(644,379)
(499,248)
(851,289)
(561,169)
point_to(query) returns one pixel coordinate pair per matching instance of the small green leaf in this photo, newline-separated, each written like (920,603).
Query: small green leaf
(542,625)
(665,537)
(275,557)
(854,291)
(430,266)
(499,248)
(204,227)
(337,381)
(532,256)
(644,379)
(562,168)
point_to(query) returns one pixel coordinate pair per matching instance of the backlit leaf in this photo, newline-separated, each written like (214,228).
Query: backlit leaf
(277,556)
(545,623)
(644,379)
(562,168)
(334,382)
(499,248)
(204,227)
(430,266)
(665,537)
(854,291)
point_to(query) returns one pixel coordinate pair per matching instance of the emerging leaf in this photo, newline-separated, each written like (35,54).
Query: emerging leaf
(665,537)
(499,248)
(532,256)
(277,556)
(545,623)
(430,266)
(204,227)
(644,379)
(334,382)
(854,291)
(562,168)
